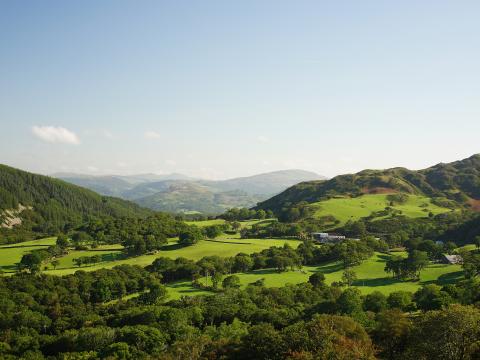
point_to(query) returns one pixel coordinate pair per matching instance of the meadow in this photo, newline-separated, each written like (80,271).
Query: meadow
(346,208)
(224,246)
(371,276)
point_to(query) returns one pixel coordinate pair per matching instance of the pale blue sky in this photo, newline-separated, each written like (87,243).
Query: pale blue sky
(227,88)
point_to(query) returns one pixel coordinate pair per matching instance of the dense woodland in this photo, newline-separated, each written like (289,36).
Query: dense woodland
(70,318)
(52,206)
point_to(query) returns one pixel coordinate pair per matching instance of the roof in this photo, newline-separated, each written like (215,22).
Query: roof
(453,259)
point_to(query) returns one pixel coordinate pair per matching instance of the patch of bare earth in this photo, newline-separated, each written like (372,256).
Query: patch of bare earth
(11,217)
(475,204)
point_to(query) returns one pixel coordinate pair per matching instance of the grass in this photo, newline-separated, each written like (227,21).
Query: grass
(243,223)
(11,254)
(370,273)
(371,276)
(344,209)
(205,223)
(224,246)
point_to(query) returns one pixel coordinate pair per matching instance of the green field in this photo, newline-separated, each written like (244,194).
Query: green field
(370,273)
(243,223)
(205,223)
(346,208)
(11,254)
(371,276)
(224,246)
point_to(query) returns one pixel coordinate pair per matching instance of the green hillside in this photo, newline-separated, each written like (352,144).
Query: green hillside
(44,205)
(453,184)
(346,208)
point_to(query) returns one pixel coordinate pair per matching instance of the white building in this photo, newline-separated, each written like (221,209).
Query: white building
(326,238)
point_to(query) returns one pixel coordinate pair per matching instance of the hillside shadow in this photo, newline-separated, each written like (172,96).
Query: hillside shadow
(376,282)
(8,268)
(383,257)
(330,268)
(171,247)
(446,279)
(229,242)
(117,249)
(264,272)
(21,246)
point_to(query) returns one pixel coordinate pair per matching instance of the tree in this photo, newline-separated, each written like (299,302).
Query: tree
(55,263)
(213,231)
(402,300)
(81,238)
(78,261)
(391,333)
(156,293)
(216,278)
(375,302)
(231,282)
(62,241)
(242,263)
(349,276)
(350,301)
(191,235)
(327,337)
(476,241)
(236,225)
(261,214)
(448,334)
(431,297)
(263,342)
(31,261)
(317,279)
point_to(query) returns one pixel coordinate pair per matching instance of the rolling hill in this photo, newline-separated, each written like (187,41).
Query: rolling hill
(448,185)
(41,204)
(179,193)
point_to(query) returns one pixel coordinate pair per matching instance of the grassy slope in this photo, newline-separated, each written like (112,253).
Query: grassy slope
(227,245)
(11,254)
(371,276)
(345,209)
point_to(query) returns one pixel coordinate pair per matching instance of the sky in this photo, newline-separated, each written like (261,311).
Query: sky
(219,89)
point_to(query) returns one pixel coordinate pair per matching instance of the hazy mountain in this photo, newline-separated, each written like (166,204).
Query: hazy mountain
(115,185)
(458,181)
(179,193)
(265,184)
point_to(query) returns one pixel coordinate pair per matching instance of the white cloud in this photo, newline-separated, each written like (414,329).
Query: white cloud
(151,135)
(92,168)
(263,139)
(55,134)
(170,162)
(108,134)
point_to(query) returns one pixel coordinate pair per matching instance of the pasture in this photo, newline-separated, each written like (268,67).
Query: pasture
(346,208)
(224,246)
(371,276)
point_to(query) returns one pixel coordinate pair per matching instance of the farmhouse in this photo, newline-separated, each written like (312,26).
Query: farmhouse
(326,238)
(452,259)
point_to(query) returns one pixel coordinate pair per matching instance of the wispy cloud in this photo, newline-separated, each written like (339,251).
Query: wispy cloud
(55,134)
(153,135)
(263,139)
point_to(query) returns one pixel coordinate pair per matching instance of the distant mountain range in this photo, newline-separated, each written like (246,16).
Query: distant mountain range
(455,183)
(180,193)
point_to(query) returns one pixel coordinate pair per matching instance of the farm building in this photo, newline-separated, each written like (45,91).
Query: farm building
(452,259)
(325,238)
